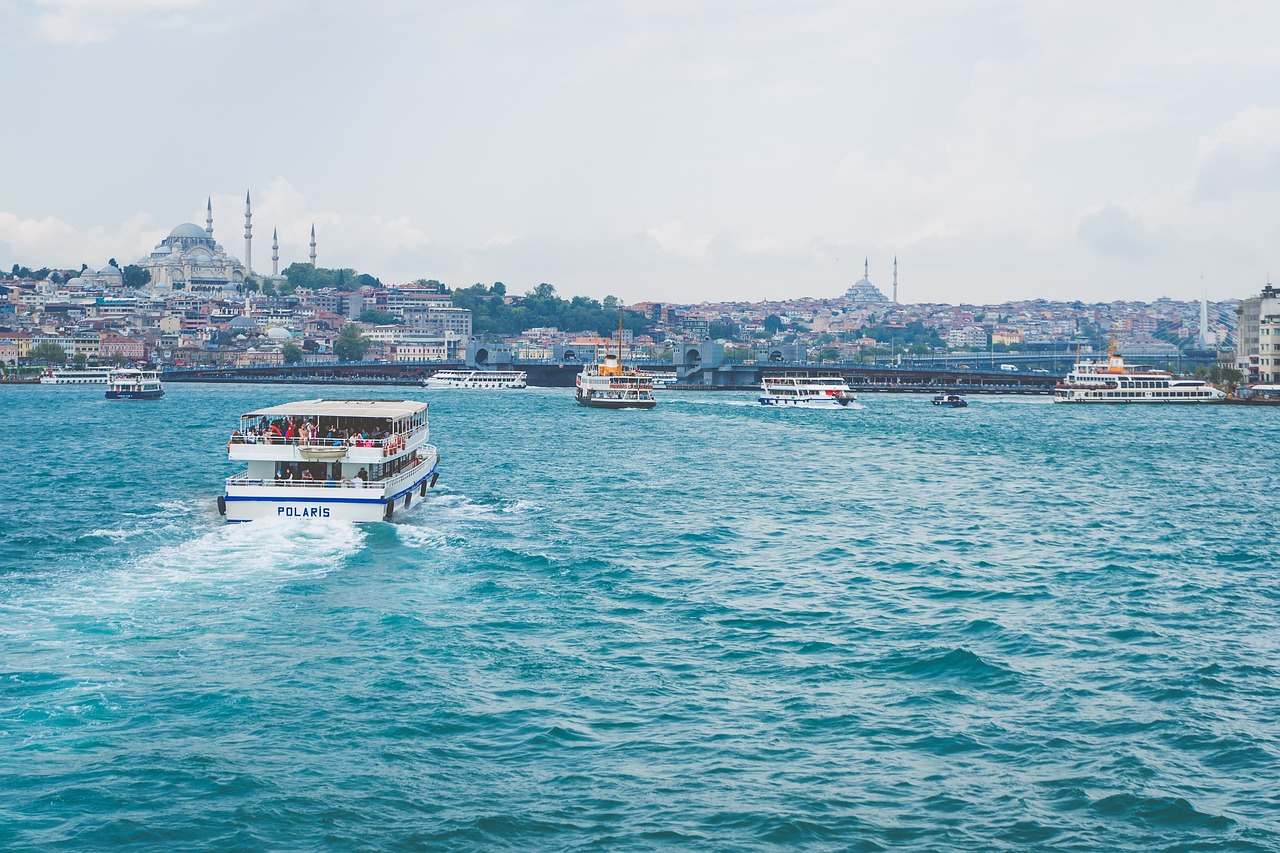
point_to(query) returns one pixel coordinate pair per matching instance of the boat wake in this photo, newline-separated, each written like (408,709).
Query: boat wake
(257,550)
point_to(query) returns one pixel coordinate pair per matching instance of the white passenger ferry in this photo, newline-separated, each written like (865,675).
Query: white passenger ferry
(485,379)
(659,378)
(1111,381)
(807,390)
(76,376)
(351,460)
(131,383)
(609,385)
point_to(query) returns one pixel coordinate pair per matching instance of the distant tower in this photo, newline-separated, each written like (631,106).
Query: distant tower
(895,279)
(208,220)
(1202,339)
(248,236)
(313,245)
(275,253)
(866,269)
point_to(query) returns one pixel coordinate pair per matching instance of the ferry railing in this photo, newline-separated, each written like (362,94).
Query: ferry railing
(244,479)
(394,439)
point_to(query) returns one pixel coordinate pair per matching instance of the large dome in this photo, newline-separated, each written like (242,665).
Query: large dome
(189,229)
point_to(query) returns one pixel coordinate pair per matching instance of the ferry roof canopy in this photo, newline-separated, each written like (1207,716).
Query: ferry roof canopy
(342,409)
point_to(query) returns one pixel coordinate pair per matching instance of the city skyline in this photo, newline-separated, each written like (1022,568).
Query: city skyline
(684,154)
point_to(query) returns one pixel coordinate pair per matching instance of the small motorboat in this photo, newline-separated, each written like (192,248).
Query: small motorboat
(951,401)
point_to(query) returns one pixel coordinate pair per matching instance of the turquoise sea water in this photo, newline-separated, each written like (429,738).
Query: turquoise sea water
(1018,626)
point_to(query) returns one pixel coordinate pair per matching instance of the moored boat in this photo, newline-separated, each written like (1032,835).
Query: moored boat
(76,376)
(659,378)
(350,460)
(131,383)
(1112,381)
(806,389)
(477,379)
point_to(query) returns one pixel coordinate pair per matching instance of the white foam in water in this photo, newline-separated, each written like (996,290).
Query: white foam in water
(412,536)
(259,550)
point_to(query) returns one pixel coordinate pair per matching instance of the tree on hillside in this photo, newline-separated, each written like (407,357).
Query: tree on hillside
(292,353)
(724,330)
(49,353)
(135,276)
(374,317)
(350,345)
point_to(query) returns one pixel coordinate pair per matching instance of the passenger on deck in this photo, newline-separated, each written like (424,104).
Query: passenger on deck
(362,477)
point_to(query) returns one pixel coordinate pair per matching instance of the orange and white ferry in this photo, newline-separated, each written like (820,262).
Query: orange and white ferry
(610,385)
(1112,381)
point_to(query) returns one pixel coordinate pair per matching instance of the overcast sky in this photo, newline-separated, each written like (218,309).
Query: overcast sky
(677,150)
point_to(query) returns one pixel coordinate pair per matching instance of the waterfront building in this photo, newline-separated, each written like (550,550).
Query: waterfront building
(456,321)
(967,338)
(1249,316)
(1265,366)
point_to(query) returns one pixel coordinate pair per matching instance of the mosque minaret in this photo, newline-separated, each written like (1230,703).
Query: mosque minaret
(313,245)
(248,235)
(208,220)
(275,253)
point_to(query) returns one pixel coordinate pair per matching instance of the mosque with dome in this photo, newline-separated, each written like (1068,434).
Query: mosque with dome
(865,293)
(190,259)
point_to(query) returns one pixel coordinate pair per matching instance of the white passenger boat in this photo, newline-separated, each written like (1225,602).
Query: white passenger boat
(660,378)
(807,390)
(76,376)
(609,385)
(482,379)
(131,383)
(351,460)
(1112,381)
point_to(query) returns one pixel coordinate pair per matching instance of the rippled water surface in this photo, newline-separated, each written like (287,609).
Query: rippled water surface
(1018,626)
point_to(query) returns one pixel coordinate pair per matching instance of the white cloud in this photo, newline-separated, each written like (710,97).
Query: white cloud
(676,238)
(1242,155)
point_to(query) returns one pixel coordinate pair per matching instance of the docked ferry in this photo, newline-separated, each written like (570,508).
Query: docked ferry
(481,379)
(1112,381)
(807,390)
(76,376)
(659,378)
(131,383)
(350,460)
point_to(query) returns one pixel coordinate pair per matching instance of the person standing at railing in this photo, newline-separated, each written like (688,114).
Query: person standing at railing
(306,476)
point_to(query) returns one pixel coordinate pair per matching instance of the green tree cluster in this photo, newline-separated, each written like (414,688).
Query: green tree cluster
(375,317)
(306,277)
(490,313)
(49,353)
(350,344)
(135,276)
(916,335)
